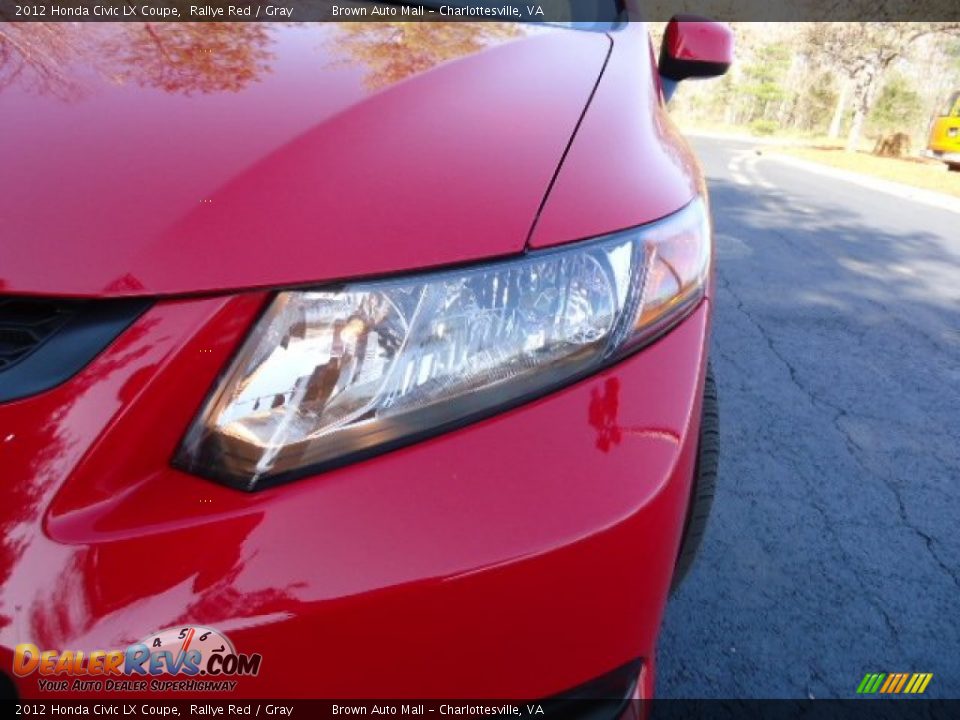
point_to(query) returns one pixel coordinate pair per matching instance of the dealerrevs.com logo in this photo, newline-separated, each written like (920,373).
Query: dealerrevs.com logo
(205,657)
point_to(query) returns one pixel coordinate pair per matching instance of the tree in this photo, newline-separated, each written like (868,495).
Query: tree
(862,52)
(838,111)
(763,79)
(816,100)
(175,57)
(36,56)
(898,106)
(189,57)
(373,46)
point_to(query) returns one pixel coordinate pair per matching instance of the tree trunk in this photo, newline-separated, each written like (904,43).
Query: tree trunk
(864,88)
(837,120)
(856,127)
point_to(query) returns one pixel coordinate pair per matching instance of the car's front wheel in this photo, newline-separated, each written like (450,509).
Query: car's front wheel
(704,481)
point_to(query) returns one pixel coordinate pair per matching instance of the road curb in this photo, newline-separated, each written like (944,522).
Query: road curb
(905,192)
(742,137)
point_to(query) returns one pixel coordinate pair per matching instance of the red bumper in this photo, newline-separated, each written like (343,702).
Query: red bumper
(517,557)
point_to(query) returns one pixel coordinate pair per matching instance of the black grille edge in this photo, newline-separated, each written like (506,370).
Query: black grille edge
(46,341)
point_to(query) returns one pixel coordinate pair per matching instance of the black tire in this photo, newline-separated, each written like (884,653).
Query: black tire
(704,482)
(953,167)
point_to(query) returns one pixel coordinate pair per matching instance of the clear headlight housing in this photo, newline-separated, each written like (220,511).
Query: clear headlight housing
(331,375)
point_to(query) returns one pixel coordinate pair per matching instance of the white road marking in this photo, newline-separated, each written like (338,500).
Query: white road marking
(734,167)
(743,170)
(757,176)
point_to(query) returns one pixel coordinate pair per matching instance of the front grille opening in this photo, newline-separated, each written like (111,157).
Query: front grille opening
(45,341)
(26,323)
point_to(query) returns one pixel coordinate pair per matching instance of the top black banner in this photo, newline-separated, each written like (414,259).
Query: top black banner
(599,12)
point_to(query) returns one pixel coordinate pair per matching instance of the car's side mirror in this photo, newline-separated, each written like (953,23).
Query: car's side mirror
(694,47)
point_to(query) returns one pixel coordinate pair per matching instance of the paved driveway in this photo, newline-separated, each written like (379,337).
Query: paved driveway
(834,547)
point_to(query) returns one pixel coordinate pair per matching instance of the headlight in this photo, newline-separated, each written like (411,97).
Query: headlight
(333,374)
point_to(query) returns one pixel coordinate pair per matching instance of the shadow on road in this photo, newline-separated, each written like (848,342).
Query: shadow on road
(833,547)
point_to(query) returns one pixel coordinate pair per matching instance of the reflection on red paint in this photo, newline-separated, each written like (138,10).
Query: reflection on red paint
(602,415)
(604,408)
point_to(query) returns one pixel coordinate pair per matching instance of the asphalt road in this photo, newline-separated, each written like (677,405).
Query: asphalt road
(834,545)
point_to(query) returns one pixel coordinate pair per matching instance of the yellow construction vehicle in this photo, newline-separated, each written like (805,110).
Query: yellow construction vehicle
(945,134)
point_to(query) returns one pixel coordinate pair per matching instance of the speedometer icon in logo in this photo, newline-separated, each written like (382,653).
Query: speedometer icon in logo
(180,641)
(191,650)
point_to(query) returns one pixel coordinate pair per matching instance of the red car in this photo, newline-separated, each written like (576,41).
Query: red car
(349,360)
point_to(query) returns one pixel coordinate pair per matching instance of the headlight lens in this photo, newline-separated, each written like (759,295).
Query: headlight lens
(330,375)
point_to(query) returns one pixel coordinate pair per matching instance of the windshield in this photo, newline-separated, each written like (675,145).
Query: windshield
(953,107)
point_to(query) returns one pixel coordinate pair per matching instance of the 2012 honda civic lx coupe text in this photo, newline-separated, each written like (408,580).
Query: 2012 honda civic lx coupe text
(349,360)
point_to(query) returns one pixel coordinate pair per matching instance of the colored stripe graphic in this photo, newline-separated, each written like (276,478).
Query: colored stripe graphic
(894,683)
(893,679)
(871,683)
(918,683)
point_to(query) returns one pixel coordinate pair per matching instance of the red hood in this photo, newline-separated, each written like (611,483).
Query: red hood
(173,158)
